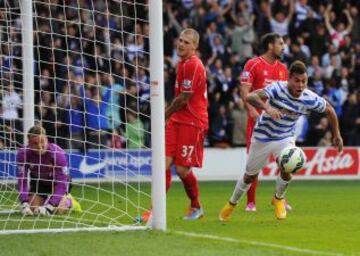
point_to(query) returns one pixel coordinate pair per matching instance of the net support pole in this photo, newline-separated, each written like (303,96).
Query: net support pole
(28,65)
(158,193)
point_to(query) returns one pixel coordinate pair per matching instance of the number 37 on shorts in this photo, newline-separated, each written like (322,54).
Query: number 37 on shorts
(185,143)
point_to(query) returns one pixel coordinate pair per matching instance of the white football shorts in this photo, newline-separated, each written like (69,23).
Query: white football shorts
(260,152)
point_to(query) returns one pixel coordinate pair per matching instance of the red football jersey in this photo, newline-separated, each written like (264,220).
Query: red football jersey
(260,73)
(191,77)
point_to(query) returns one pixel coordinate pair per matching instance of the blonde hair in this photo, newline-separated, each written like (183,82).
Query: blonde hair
(36,131)
(195,35)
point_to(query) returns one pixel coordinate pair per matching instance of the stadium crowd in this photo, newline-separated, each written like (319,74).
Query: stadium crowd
(92,65)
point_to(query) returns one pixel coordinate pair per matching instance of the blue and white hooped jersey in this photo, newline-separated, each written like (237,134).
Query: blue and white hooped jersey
(268,129)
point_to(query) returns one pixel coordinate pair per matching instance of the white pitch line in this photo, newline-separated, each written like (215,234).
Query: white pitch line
(263,244)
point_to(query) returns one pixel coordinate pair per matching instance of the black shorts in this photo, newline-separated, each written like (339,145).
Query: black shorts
(44,188)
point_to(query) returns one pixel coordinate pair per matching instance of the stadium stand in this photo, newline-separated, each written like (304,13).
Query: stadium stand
(324,34)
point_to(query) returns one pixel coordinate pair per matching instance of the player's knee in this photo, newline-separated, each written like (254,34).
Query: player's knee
(182,171)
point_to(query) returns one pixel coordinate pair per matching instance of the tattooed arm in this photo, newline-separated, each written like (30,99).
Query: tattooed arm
(257,98)
(178,103)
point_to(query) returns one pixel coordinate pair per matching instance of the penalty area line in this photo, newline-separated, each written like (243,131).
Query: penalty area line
(250,242)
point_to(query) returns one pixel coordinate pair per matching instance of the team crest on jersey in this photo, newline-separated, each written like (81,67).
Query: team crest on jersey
(186,84)
(265,73)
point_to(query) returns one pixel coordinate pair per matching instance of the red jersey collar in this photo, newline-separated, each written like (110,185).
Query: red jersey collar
(190,57)
(266,62)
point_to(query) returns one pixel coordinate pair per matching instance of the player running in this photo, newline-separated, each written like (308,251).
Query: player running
(275,130)
(258,73)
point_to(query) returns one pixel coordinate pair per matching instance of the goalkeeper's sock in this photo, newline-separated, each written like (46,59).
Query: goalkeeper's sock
(240,188)
(192,189)
(251,194)
(281,186)
(168,179)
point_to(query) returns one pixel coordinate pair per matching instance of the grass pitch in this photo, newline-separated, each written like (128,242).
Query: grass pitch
(325,221)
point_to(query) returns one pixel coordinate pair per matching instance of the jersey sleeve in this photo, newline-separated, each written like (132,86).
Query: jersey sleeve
(22,176)
(318,104)
(61,178)
(191,76)
(271,90)
(248,74)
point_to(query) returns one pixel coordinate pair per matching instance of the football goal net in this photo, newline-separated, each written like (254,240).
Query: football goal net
(90,73)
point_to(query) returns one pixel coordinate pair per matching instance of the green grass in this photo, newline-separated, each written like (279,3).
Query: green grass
(325,221)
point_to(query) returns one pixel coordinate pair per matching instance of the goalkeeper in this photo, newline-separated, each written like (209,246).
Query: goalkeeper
(45,164)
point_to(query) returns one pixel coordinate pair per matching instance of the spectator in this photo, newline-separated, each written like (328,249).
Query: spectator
(134,132)
(350,120)
(238,115)
(338,34)
(242,37)
(45,113)
(219,129)
(95,113)
(76,121)
(280,22)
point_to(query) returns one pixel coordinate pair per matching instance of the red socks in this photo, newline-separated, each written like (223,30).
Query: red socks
(251,194)
(192,189)
(168,179)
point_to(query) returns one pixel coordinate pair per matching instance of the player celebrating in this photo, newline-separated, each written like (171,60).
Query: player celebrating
(257,74)
(275,130)
(46,165)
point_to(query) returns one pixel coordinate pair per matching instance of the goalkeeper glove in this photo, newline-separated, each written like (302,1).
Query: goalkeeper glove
(45,210)
(26,210)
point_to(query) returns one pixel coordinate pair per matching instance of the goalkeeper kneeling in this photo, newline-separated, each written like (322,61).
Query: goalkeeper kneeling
(43,182)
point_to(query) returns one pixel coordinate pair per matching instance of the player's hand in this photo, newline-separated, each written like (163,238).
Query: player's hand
(273,113)
(338,142)
(45,210)
(26,210)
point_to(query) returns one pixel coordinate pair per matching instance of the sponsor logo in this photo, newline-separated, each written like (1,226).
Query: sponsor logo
(323,162)
(86,168)
(122,163)
(186,84)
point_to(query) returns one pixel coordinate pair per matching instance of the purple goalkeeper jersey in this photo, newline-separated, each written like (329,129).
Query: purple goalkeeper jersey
(50,169)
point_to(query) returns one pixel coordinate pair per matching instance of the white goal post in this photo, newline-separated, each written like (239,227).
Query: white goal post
(79,52)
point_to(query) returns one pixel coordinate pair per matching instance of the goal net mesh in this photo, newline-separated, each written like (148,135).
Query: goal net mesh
(92,96)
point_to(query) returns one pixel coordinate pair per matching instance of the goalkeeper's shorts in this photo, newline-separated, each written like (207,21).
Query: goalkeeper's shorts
(44,188)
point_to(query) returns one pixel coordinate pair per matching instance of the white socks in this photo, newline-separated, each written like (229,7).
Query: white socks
(240,189)
(281,186)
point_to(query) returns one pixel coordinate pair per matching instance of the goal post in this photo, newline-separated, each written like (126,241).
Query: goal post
(28,65)
(157,115)
(91,73)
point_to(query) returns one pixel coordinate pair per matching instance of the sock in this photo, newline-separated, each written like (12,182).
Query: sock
(168,179)
(281,186)
(251,194)
(68,203)
(192,189)
(240,188)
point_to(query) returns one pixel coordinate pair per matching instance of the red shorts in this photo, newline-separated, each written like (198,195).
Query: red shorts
(185,143)
(249,132)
